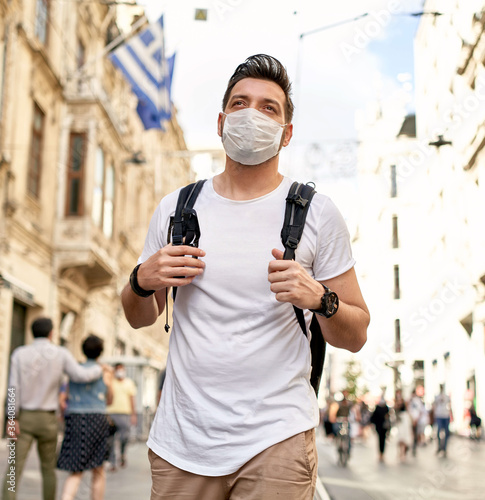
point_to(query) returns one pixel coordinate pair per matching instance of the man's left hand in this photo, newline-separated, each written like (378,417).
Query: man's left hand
(291,283)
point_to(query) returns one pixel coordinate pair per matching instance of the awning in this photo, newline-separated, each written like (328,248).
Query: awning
(20,290)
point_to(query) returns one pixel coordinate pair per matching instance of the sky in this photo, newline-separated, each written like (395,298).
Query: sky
(335,71)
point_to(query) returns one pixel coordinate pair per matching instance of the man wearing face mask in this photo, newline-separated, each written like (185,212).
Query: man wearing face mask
(122,413)
(237,415)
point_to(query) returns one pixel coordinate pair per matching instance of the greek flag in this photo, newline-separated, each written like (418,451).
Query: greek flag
(142,61)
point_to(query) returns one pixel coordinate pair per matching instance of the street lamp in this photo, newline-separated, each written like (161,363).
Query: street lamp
(440,142)
(136,158)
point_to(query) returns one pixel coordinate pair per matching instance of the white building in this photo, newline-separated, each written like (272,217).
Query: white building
(421,234)
(450,101)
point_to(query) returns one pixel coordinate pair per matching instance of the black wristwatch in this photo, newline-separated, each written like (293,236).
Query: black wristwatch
(329,305)
(136,287)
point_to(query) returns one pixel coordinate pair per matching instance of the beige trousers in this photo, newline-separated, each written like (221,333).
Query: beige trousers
(284,471)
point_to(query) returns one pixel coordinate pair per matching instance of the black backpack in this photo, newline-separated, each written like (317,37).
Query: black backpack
(184,229)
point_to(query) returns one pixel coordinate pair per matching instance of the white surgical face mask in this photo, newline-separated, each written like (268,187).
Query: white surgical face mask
(250,137)
(120,373)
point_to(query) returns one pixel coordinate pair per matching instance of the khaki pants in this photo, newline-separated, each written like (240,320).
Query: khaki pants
(41,426)
(285,471)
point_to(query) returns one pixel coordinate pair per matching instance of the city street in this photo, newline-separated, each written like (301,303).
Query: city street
(460,476)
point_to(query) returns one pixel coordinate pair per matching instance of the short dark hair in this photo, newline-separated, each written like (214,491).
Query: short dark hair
(262,67)
(117,365)
(93,347)
(41,327)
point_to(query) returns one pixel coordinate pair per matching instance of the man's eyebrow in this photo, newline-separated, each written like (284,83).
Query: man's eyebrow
(265,99)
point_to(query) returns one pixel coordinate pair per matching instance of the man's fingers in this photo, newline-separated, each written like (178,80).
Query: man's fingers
(277,254)
(276,266)
(172,282)
(172,272)
(183,250)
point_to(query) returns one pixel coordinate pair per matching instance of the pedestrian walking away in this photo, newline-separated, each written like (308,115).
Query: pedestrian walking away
(237,414)
(122,412)
(416,410)
(36,375)
(442,416)
(404,425)
(380,419)
(85,444)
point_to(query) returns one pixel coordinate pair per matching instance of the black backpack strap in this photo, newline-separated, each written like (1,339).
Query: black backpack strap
(297,205)
(184,226)
(318,347)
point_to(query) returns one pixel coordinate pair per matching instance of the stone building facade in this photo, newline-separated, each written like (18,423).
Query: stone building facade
(79,181)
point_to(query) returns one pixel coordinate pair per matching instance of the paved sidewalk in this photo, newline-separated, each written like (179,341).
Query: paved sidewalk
(460,476)
(132,482)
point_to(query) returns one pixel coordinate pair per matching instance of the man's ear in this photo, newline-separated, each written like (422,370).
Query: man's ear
(288,134)
(220,124)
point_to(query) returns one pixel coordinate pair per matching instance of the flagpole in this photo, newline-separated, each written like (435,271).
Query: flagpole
(108,48)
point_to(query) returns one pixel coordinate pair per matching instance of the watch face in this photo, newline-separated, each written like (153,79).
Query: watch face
(331,303)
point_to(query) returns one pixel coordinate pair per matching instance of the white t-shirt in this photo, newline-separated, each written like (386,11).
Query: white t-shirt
(238,369)
(442,406)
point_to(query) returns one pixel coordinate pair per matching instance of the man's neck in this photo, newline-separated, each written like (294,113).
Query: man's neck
(247,182)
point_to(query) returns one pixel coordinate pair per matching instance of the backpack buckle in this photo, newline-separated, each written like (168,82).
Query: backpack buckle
(297,200)
(291,243)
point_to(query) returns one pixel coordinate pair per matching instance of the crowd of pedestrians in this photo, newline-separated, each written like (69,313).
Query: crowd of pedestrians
(414,424)
(96,403)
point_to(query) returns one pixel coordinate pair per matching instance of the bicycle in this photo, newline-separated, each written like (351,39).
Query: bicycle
(342,440)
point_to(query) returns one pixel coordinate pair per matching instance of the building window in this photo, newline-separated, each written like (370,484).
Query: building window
(393,181)
(41,20)
(467,324)
(35,164)
(395,234)
(75,174)
(120,348)
(104,194)
(81,54)
(108,205)
(397,334)
(397,290)
(97,212)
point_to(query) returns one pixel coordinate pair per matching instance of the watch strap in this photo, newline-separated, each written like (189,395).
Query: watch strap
(137,289)
(323,310)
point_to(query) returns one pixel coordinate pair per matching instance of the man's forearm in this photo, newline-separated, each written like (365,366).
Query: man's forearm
(141,311)
(347,329)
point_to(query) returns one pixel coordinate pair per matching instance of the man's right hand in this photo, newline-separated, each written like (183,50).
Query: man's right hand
(171,266)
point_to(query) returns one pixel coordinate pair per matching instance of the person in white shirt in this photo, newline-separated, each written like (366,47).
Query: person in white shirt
(36,373)
(237,414)
(442,417)
(416,409)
